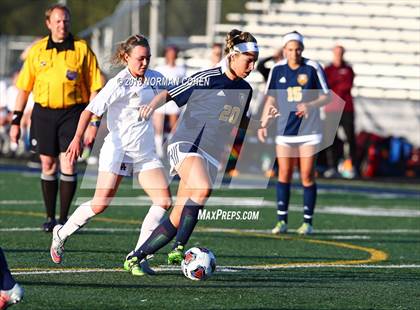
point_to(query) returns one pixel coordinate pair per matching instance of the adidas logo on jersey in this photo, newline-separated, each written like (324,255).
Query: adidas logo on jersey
(282,80)
(221,93)
(134,95)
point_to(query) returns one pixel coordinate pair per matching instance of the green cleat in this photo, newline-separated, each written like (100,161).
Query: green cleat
(132,265)
(176,256)
(280,228)
(305,229)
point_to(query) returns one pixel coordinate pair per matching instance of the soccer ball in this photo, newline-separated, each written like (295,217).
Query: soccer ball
(198,264)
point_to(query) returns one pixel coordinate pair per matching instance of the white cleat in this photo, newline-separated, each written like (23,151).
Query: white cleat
(11,297)
(57,246)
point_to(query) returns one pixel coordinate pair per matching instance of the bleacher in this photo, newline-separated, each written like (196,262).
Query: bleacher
(382,41)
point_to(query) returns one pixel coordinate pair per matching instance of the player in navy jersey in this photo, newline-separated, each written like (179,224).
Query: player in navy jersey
(297,87)
(216,101)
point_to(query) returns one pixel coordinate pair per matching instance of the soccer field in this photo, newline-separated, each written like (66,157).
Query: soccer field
(365,253)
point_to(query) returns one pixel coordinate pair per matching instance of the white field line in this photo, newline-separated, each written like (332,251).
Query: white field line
(397,211)
(209,229)
(354,237)
(238,268)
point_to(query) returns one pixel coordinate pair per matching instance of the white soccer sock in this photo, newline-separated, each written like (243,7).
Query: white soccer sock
(150,222)
(79,218)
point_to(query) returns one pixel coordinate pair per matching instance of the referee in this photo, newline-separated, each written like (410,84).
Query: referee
(63,74)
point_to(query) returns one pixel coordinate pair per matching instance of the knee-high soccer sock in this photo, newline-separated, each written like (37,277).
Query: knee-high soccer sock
(6,280)
(283,197)
(77,220)
(309,200)
(151,221)
(68,185)
(160,237)
(189,219)
(49,186)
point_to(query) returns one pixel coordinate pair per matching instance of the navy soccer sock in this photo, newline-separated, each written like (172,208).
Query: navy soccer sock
(160,237)
(309,200)
(6,280)
(283,197)
(189,219)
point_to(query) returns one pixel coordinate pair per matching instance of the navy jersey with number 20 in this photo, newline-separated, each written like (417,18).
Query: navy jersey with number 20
(214,106)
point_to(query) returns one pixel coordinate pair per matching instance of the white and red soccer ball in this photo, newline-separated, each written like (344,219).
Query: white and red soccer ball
(198,264)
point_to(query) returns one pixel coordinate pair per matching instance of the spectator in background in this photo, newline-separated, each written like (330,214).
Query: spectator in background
(340,78)
(262,64)
(3,116)
(11,95)
(216,54)
(174,73)
(63,74)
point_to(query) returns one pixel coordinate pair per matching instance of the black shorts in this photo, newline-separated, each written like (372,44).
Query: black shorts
(52,130)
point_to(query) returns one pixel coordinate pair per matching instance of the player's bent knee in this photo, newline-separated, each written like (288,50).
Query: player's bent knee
(201,195)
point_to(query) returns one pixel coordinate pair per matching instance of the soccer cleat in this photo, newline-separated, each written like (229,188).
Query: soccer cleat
(57,246)
(280,228)
(49,226)
(305,229)
(11,297)
(132,265)
(176,256)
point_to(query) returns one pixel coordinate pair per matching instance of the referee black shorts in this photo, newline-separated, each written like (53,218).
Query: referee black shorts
(52,130)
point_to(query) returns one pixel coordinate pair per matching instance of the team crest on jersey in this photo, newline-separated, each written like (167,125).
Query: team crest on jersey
(302,79)
(242,99)
(71,75)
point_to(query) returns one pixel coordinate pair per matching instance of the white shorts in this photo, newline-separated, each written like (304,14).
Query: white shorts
(294,141)
(126,164)
(178,151)
(169,108)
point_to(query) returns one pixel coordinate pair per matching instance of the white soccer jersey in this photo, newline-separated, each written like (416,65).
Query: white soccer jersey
(121,97)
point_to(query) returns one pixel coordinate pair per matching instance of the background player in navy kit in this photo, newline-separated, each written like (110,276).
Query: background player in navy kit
(212,110)
(297,86)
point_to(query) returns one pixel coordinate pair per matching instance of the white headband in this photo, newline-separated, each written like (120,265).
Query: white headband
(292,36)
(245,47)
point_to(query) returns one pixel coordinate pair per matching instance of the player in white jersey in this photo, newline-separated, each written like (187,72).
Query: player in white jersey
(128,148)
(298,88)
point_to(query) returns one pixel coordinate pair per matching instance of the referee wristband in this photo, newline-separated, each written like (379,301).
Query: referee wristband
(17,117)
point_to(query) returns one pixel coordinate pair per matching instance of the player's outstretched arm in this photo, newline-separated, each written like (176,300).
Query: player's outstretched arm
(74,150)
(145,111)
(270,112)
(92,130)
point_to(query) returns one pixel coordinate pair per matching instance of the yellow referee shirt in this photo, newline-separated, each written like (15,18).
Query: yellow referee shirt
(60,78)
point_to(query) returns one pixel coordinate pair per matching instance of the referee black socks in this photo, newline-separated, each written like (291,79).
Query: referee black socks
(49,186)
(68,185)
